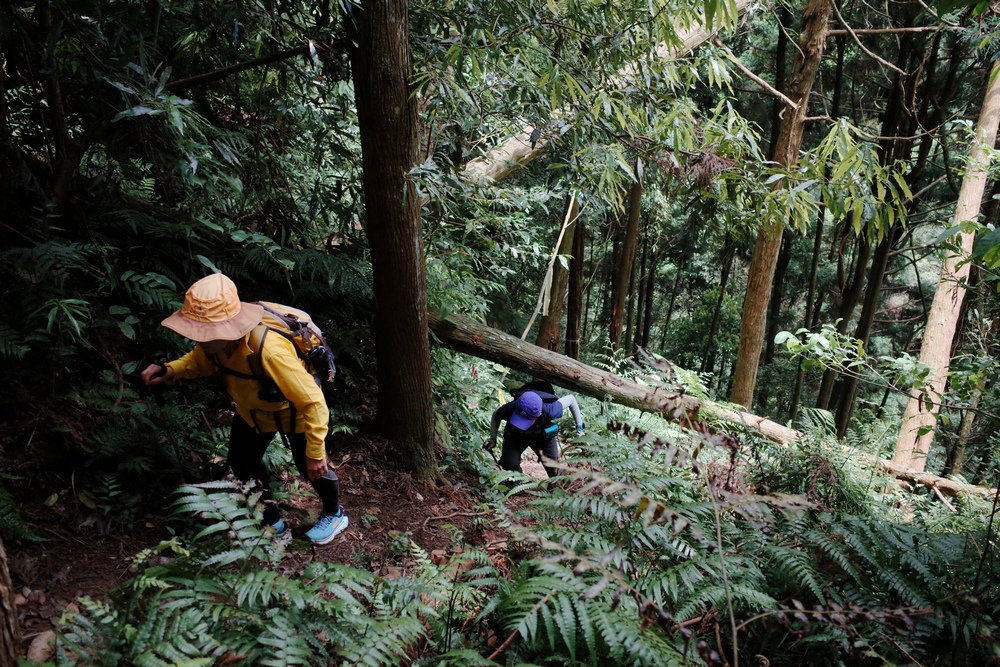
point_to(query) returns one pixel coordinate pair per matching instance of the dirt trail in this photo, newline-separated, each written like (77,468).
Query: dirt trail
(386,508)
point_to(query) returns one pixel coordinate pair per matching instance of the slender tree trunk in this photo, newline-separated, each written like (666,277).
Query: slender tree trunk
(708,355)
(647,319)
(613,259)
(793,409)
(916,432)
(387,120)
(673,299)
(847,388)
(549,327)
(588,292)
(777,297)
(780,67)
(850,297)
(10,637)
(575,298)
(812,40)
(959,453)
(812,303)
(641,281)
(623,276)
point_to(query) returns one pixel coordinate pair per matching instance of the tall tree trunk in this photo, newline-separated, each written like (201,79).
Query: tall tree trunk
(387,121)
(899,119)
(641,281)
(916,432)
(10,637)
(959,453)
(549,327)
(728,253)
(777,296)
(850,296)
(765,252)
(780,67)
(647,318)
(575,306)
(812,303)
(793,409)
(613,259)
(847,387)
(673,299)
(623,274)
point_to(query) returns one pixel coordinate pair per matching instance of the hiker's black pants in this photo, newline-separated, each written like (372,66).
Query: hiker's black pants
(246,459)
(513,448)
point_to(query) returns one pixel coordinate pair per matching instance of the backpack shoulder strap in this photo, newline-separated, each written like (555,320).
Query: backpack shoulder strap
(255,340)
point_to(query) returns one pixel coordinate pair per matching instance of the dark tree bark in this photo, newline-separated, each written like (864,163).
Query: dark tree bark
(636,337)
(613,258)
(780,67)
(10,637)
(793,409)
(623,273)
(387,120)
(777,296)
(575,306)
(550,326)
(673,299)
(728,253)
(647,318)
(846,389)
(813,304)
(899,119)
(850,296)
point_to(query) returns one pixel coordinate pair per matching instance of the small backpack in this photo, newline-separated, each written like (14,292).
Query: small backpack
(298,327)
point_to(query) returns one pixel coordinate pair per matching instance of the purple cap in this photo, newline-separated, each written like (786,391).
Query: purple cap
(527,409)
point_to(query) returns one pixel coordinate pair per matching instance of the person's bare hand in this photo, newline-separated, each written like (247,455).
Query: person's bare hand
(155,374)
(316,468)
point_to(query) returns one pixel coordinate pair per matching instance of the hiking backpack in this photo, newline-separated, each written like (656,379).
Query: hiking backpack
(298,327)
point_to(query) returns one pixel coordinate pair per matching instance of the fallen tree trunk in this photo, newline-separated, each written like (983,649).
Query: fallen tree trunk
(466,335)
(471,337)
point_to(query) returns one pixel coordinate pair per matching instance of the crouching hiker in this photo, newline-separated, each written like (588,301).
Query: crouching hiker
(267,379)
(531,422)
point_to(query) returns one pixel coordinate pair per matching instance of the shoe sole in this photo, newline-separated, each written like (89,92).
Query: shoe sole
(337,531)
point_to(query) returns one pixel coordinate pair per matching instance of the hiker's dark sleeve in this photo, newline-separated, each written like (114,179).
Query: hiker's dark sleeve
(194,364)
(282,364)
(504,412)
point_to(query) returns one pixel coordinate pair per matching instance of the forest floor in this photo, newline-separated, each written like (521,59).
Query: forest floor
(387,508)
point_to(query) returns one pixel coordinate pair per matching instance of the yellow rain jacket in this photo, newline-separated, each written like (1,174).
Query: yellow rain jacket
(282,364)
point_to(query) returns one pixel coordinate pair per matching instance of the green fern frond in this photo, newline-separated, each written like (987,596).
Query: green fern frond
(11,525)
(797,564)
(383,643)
(12,344)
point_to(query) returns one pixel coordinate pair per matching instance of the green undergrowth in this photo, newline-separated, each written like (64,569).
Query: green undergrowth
(647,551)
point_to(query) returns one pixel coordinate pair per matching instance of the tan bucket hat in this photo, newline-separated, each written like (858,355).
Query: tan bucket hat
(212,310)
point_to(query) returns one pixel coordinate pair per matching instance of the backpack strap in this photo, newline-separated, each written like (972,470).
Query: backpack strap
(255,340)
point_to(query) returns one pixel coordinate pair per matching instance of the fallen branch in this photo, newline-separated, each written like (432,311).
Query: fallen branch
(433,517)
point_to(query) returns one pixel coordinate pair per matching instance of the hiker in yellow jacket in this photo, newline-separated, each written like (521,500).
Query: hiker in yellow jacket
(288,401)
